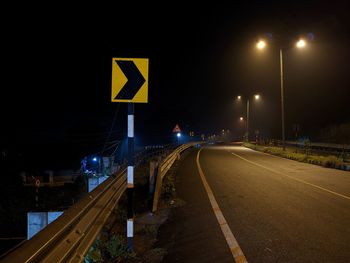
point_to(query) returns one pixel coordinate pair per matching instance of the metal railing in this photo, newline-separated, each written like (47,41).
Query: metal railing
(331,146)
(315,145)
(342,151)
(69,237)
(164,167)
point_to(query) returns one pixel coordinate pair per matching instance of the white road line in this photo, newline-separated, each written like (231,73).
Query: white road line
(291,177)
(236,251)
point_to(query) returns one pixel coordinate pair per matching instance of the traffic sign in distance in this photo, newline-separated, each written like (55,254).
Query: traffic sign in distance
(130,80)
(176,128)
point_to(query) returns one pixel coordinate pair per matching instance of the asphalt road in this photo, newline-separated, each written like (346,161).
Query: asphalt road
(278,210)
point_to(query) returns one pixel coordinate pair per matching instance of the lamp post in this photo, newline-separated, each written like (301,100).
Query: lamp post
(256,97)
(247,131)
(300,44)
(178,135)
(282,100)
(242,125)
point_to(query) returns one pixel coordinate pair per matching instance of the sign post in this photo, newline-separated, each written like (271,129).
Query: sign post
(177,130)
(37,185)
(130,175)
(130,85)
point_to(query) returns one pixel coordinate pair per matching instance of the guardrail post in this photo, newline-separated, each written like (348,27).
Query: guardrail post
(163,167)
(153,167)
(157,190)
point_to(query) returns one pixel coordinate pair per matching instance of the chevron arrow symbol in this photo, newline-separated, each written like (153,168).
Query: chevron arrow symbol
(135,80)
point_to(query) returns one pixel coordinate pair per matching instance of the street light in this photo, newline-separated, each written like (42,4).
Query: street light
(256,97)
(261,44)
(300,44)
(178,135)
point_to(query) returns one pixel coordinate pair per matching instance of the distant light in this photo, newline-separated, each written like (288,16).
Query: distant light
(257,96)
(261,44)
(301,43)
(269,36)
(310,36)
(239,97)
(178,134)
(94,159)
(241,119)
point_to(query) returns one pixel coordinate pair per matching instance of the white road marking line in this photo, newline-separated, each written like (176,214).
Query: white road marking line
(291,177)
(236,251)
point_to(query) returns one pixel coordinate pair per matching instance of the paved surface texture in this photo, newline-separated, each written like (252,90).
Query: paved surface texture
(278,210)
(192,233)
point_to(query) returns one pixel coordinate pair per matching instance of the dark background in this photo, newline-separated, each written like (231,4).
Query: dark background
(56,72)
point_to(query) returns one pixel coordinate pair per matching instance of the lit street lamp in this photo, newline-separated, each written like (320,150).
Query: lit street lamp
(261,44)
(256,97)
(300,44)
(178,136)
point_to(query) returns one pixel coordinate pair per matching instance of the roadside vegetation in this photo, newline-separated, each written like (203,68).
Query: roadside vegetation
(303,155)
(111,245)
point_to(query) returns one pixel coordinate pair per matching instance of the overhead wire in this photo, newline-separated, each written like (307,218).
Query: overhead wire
(112,126)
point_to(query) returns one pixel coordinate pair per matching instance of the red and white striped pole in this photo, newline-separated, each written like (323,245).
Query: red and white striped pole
(130,176)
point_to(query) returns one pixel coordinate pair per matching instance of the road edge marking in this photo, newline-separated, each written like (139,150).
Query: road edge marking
(291,177)
(235,249)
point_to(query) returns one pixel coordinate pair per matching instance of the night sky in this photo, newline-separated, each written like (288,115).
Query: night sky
(56,76)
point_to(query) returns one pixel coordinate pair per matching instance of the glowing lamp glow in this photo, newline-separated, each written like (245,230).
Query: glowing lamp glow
(261,44)
(301,43)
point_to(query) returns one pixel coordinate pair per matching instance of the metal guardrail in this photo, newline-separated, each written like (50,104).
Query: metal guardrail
(340,147)
(325,147)
(342,151)
(164,167)
(69,238)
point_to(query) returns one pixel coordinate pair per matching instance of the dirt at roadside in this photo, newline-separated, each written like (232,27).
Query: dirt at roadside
(111,246)
(147,224)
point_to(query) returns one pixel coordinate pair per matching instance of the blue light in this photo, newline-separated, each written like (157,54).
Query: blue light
(94,159)
(311,36)
(178,134)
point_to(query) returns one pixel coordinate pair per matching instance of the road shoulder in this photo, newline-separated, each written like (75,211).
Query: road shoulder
(192,233)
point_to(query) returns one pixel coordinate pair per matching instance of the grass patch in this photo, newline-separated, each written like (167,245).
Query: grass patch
(168,186)
(112,249)
(300,155)
(149,230)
